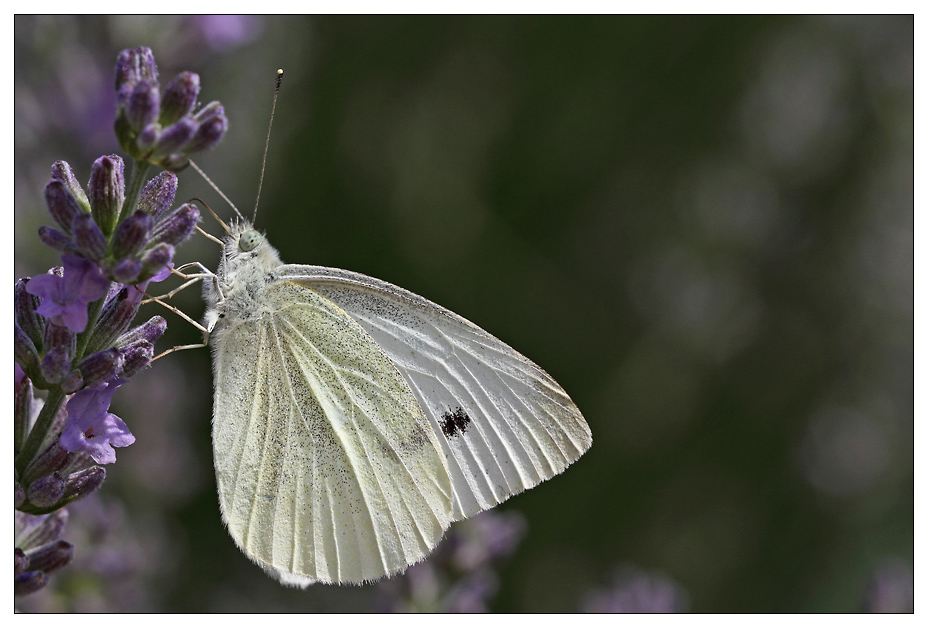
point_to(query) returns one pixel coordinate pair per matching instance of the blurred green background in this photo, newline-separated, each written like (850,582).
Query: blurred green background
(702,227)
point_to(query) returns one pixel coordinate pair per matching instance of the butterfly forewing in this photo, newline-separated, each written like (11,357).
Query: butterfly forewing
(504,424)
(327,467)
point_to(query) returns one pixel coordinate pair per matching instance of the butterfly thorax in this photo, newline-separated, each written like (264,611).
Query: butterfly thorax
(241,279)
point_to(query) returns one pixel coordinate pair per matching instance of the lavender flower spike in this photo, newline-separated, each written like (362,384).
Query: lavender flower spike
(65,299)
(91,429)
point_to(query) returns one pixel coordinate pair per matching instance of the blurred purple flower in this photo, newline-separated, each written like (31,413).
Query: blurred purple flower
(488,539)
(891,589)
(472,593)
(228,31)
(460,575)
(91,429)
(65,299)
(633,591)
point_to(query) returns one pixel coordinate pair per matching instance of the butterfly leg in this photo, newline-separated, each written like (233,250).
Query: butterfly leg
(180,348)
(190,280)
(205,331)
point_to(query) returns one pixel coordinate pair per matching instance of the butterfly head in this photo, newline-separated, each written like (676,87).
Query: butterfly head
(247,246)
(248,240)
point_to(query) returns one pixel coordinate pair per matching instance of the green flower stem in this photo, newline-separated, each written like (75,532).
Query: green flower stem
(40,429)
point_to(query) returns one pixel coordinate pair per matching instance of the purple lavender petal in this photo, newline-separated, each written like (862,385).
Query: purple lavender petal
(162,274)
(91,429)
(65,299)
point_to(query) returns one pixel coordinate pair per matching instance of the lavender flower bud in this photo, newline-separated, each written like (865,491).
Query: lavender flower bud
(176,136)
(213,126)
(46,490)
(180,96)
(134,65)
(24,351)
(135,358)
(143,105)
(61,171)
(22,406)
(114,320)
(84,482)
(29,582)
(72,382)
(61,204)
(126,270)
(51,460)
(132,234)
(56,364)
(88,238)
(147,138)
(53,238)
(19,495)
(57,336)
(177,226)
(155,259)
(148,332)
(40,530)
(20,562)
(100,366)
(158,194)
(25,304)
(107,191)
(210,111)
(50,556)
(174,162)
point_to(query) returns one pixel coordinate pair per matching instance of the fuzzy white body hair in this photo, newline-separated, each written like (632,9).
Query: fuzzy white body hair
(241,277)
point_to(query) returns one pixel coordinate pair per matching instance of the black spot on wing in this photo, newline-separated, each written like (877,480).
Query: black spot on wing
(453,423)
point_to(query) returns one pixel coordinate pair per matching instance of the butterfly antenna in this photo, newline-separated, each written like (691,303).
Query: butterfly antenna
(218,219)
(267,142)
(224,197)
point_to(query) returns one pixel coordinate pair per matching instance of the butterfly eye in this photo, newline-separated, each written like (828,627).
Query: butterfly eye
(249,240)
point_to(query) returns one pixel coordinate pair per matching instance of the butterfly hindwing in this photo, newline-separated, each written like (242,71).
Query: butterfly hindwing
(327,468)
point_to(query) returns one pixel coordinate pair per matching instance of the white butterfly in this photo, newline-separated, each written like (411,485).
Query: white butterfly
(354,421)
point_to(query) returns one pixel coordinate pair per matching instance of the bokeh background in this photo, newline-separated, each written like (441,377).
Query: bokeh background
(702,227)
